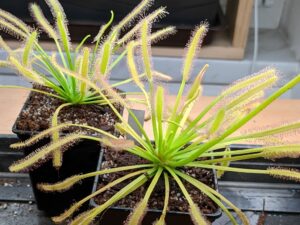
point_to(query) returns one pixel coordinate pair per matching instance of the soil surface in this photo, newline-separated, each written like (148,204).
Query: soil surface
(177,201)
(39,108)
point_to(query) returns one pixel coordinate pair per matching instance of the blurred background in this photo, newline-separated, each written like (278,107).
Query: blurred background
(245,36)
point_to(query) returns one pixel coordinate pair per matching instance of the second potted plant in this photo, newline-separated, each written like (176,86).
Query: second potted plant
(181,144)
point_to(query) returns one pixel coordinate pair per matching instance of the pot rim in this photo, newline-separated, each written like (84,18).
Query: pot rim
(17,131)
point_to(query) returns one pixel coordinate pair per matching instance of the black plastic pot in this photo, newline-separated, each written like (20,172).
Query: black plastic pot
(79,158)
(117,215)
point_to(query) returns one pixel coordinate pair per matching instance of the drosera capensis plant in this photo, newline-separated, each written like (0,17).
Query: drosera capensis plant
(93,64)
(179,140)
(33,62)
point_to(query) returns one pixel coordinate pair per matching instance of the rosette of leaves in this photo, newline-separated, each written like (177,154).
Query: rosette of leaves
(179,140)
(92,64)
(33,62)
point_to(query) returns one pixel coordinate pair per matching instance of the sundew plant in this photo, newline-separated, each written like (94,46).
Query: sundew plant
(179,140)
(92,64)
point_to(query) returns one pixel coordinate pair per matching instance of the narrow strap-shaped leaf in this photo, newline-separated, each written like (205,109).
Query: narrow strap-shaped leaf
(192,50)
(192,96)
(29,47)
(99,36)
(59,127)
(264,133)
(81,43)
(161,220)
(64,37)
(126,129)
(282,173)
(43,153)
(77,205)
(138,10)
(145,50)
(238,86)
(210,192)
(104,28)
(42,21)
(252,92)
(162,34)
(89,216)
(105,58)
(152,17)
(134,72)
(34,90)
(56,8)
(26,72)
(217,122)
(14,20)
(57,154)
(136,217)
(241,122)
(7,49)
(159,116)
(11,29)
(69,182)
(188,61)
(132,65)
(84,70)
(195,213)
(220,173)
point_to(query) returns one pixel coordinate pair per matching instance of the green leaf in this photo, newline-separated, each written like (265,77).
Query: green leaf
(145,50)
(90,215)
(104,28)
(42,21)
(192,50)
(217,122)
(84,71)
(159,116)
(105,58)
(161,220)
(195,213)
(241,122)
(136,217)
(64,37)
(29,47)
(42,153)
(77,205)
(15,21)
(215,196)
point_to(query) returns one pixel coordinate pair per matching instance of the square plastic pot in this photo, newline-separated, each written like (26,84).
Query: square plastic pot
(117,215)
(79,158)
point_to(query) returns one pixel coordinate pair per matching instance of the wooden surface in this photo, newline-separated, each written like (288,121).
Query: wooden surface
(239,14)
(11,101)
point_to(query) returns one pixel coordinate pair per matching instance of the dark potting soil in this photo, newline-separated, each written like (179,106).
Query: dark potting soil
(177,201)
(37,113)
